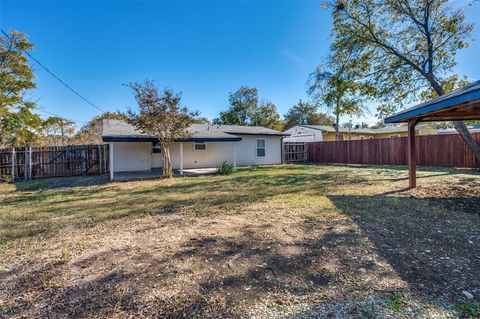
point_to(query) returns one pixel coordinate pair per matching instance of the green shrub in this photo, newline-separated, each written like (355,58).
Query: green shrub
(226,168)
(468,309)
(395,301)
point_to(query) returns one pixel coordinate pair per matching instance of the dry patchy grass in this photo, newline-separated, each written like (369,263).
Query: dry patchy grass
(276,241)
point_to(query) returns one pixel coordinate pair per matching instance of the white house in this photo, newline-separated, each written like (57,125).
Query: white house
(207,146)
(319,133)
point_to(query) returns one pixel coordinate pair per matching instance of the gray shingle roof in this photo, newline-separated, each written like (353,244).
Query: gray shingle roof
(118,129)
(236,129)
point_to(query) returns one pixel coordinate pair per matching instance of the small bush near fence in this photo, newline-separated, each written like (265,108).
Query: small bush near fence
(38,162)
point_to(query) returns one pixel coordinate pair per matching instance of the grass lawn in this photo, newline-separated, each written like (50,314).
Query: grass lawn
(294,241)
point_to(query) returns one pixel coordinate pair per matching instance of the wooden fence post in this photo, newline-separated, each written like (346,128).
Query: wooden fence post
(13,164)
(99,159)
(25,158)
(84,164)
(69,156)
(30,162)
(305,145)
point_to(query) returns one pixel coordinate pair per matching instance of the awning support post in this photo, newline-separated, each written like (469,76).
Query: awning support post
(111,161)
(412,154)
(181,158)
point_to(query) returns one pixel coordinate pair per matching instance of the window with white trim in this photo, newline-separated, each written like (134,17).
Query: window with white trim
(260,147)
(200,147)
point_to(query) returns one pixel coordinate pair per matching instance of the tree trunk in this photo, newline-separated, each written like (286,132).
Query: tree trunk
(167,163)
(468,138)
(459,125)
(337,123)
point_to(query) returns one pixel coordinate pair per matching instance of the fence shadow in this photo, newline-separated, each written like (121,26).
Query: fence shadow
(62,182)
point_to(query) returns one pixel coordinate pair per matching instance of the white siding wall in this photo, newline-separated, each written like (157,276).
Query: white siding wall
(247,150)
(131,156)
(303,134)
(216,153)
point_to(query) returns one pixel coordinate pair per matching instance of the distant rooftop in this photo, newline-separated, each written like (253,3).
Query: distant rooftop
(472,128)
(382,130)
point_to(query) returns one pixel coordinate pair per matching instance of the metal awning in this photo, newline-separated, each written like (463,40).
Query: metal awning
(461,104)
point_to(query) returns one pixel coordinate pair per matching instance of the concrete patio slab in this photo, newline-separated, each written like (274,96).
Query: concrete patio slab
(157,173)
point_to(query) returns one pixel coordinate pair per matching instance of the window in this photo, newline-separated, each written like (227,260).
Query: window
(260,147)
(200,146)
(362,137)
(394,135)
(156,148)
(370,137)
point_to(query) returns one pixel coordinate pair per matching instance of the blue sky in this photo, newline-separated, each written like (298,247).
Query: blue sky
(204,49)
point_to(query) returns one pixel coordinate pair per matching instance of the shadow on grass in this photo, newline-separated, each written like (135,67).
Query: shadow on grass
(224,272)
(447,170)
(61,182)
(426,240)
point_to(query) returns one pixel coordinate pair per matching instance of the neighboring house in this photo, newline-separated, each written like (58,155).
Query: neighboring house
(318,133)
(472,128)
(208,146)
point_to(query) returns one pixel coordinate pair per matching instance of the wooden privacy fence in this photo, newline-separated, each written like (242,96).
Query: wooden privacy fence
(294,152)
(53,161)
(432,150)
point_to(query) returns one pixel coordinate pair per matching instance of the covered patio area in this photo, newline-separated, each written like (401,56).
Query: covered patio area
(462,104)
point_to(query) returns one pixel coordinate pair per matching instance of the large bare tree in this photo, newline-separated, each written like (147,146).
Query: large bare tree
(401,48)
(161,115)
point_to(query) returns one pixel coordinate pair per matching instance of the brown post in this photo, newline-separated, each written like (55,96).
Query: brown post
(412,154)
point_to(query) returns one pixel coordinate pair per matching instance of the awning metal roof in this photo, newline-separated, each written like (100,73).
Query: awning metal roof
(461,104)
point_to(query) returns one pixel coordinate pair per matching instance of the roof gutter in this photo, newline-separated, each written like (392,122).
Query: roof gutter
(154,139)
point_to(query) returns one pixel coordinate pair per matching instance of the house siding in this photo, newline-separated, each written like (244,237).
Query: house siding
(247,150)
(138,156)
(129,156)
(306,134)
(214,154)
